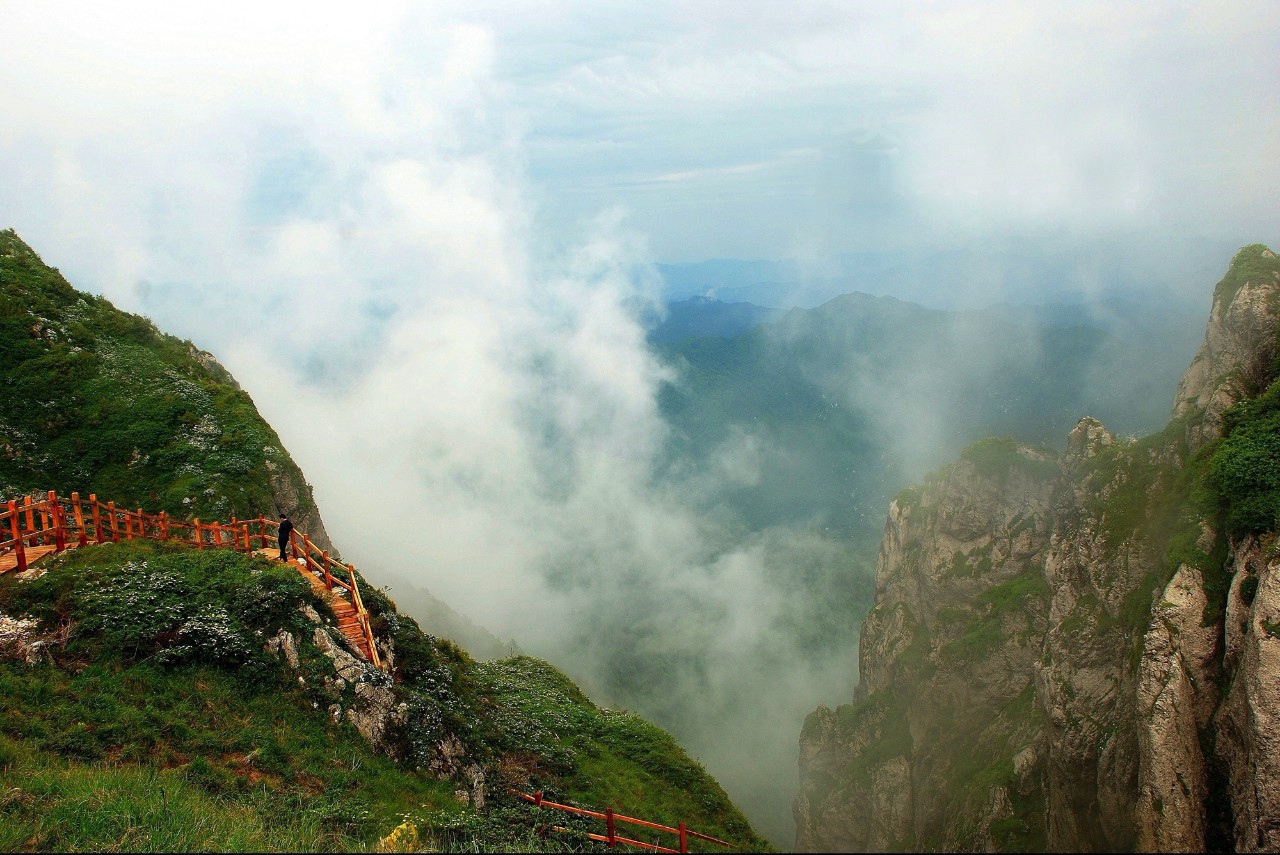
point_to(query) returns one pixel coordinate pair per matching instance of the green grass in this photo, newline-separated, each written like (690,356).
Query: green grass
(981,765)
(982,631)
(50,804)
(1250,264)
(99,400)
(599,757)
(884,713)
(160,696)
(997,455)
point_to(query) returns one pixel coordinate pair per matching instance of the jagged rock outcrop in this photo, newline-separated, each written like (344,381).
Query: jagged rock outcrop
(375,710)
(1247,725)
(1073,651)
(1239,349)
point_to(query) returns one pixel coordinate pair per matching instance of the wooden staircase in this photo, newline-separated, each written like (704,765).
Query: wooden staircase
(348,617)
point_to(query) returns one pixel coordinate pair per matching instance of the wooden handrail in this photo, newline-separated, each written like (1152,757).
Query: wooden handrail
(63,519)
(683,832)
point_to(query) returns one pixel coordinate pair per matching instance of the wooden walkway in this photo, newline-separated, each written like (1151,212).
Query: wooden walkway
(348,620)
(9,560)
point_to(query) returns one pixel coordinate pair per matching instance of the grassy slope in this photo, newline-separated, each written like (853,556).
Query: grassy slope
(159,722)
(99,399)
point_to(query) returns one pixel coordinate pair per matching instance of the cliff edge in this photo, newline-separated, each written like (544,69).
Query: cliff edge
(1079,651)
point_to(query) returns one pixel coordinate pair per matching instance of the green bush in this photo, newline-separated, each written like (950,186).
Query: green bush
(1250,264)
(1249,588)
(1246,465)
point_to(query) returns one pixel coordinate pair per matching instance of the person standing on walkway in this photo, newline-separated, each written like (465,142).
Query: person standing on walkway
(286,528)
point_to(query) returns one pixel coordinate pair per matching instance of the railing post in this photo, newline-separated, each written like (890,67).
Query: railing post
(164,526)
(608,822)
(31,520)
(216,531)
(235,540)
(142,523)
(59,533)
(324,560)
(684,837)
(97,518)
(537,796)
(247,546)
(199,540)
(79,515)
(14,526)
(115,526)
(262,532)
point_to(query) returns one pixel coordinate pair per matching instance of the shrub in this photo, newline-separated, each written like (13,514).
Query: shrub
(1246,465)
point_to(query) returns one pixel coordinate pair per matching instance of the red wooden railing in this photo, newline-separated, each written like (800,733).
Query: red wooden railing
(611,836)
(73,521)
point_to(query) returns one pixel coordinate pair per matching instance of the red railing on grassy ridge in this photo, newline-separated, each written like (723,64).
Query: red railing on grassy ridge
(64,522)
(683,832)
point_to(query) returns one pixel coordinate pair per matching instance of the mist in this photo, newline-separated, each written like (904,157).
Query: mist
(415,236)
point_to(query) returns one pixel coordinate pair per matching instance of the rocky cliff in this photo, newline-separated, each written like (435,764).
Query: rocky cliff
(1079,650)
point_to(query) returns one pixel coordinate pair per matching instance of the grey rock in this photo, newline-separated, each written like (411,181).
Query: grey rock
(283,643)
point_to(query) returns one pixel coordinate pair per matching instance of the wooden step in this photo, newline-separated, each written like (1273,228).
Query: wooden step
(343,610)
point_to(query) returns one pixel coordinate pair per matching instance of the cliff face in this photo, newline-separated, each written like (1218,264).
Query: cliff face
(1078,651)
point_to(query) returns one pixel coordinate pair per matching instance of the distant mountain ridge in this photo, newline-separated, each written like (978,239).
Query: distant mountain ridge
(1043,270)
(698,317)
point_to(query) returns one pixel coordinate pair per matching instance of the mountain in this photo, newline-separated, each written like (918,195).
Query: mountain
(99,399)
(157,696)
(861,394)
(1078,650)
(699,317)
(792,437)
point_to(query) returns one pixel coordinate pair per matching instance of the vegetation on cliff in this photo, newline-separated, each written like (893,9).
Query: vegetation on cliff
(96,399)
(143,706)
(1079,665)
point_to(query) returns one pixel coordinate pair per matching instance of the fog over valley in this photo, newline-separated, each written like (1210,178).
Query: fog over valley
(617,327)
